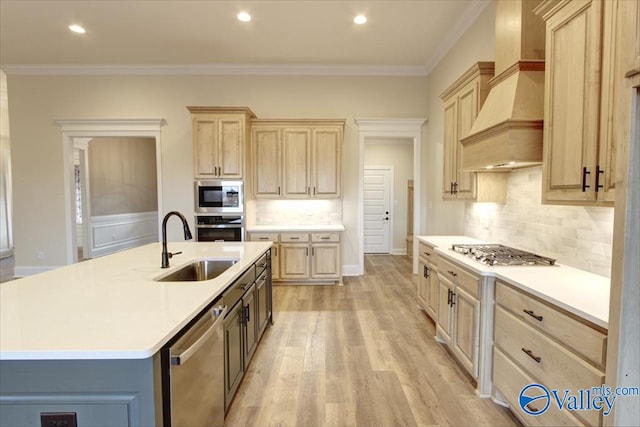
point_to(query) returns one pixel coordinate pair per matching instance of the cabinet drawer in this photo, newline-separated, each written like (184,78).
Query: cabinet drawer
(426,252)
(325,237)
(458,276)
(551,363)
(261,265)
(581,338)
(263,237)
(509,379)
(294,237)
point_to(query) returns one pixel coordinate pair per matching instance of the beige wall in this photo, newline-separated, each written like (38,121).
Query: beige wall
(399,154)
(476,44)
(36,101)
(122,175)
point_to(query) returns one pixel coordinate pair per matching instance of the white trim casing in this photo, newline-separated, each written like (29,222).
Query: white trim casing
(372,128)
(92,128)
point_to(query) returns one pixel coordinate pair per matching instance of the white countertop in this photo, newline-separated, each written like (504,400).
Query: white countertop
(294,228)
(110,307)
(577,291)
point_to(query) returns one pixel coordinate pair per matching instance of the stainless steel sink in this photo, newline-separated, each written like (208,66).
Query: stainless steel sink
(203,269)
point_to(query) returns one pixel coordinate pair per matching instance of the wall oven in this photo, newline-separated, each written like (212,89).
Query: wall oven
(219,228)
(218,197)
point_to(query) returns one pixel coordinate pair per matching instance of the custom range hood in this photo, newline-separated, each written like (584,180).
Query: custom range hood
(507,132)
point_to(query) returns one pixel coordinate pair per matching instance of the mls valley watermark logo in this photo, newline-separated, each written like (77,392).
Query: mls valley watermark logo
(535,399)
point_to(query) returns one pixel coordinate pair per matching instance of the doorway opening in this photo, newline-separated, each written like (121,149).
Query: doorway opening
(116,194)
(83,130)
(400,129)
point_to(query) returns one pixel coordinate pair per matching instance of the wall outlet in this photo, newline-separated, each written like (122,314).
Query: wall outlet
(58,419)
(41,255)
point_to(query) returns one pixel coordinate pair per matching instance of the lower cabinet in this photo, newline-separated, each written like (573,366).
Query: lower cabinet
(251,312)
(537,343)
(233,351)
(458,323)
(304,257)
(428,280)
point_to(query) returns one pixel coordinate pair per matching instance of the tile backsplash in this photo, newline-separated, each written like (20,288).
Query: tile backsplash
(577,236)
(283,212)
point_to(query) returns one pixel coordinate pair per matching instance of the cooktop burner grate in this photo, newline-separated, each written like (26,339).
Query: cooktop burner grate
(495,254)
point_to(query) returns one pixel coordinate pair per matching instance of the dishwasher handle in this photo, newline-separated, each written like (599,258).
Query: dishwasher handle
(181,359)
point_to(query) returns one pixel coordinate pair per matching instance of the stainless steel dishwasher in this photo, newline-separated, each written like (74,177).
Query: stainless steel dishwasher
(196,373)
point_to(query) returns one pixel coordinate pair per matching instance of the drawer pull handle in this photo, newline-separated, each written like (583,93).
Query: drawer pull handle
(294,238)
(452,273)
(532,314)
(427,253)
(264,238)
(325,237)
(531,355)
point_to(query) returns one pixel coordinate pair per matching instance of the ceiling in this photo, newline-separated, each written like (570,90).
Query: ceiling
(400,37)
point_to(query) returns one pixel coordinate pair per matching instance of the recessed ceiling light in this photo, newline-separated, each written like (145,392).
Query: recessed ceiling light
(244,17)
(360,19)
(77,29)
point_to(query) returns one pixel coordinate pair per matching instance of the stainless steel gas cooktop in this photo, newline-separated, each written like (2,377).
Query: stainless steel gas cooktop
(494,254)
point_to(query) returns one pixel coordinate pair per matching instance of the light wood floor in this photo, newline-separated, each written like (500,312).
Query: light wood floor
(357,355)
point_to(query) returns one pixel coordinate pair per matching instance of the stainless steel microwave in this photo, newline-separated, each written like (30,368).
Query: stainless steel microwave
(219,196)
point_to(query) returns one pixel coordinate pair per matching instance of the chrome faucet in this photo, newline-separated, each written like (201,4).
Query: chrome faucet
(187,236)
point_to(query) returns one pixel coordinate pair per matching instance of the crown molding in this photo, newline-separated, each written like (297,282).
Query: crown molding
(216,69)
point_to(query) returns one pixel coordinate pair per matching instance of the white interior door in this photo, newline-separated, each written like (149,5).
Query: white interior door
(377,210)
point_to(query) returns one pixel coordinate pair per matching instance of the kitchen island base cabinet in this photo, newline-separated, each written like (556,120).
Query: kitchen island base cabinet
(245,323)
(102,393)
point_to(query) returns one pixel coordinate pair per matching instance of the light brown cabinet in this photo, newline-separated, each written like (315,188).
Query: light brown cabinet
(219,138)
(462,101)
(458,323)
(582,82)
(297,159)
(428,280)
(535,342)
(304,257)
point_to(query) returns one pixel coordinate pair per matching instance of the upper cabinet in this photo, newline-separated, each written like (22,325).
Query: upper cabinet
(582,81)
(462,101)
(297,159)
(219,138)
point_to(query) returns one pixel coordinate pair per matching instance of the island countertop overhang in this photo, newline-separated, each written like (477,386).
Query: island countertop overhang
(111,307)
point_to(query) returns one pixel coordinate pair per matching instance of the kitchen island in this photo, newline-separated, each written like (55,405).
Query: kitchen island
(86,337)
